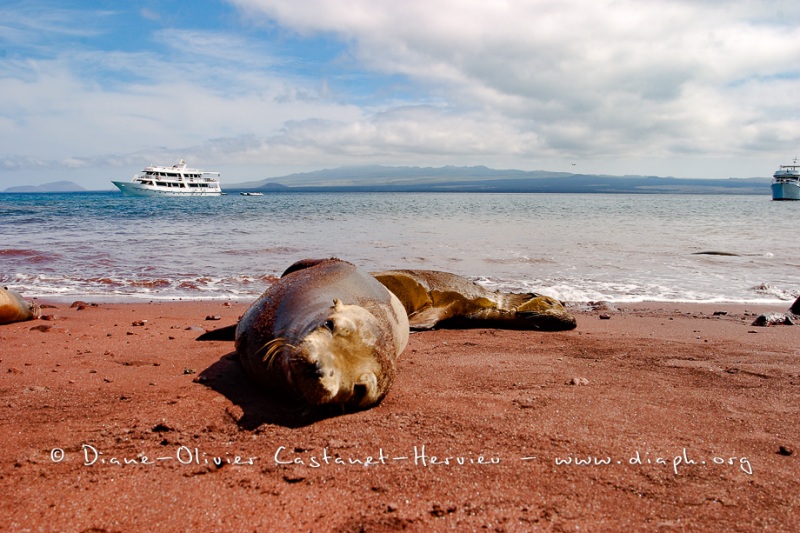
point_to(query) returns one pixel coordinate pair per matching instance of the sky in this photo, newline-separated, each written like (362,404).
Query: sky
(94,90)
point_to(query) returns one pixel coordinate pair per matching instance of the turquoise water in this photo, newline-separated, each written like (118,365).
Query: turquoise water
(574,247)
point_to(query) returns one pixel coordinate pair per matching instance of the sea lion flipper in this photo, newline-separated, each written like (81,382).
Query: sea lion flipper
(545,313)
(428,318)
(537,304)
(227,333)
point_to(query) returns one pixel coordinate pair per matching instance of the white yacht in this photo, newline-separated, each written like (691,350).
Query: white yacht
(177,180)
(786,182)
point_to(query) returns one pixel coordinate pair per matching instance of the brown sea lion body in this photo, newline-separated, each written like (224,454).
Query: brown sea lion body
(325,333)
(440,299)
(13,308)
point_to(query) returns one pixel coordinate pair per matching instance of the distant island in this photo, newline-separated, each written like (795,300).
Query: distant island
(377,178)
(56,186)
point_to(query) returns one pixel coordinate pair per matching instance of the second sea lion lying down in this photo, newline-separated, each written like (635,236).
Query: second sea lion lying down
(435,299)
(328,332)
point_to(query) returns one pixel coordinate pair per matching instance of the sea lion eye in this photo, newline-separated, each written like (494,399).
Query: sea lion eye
(329,325)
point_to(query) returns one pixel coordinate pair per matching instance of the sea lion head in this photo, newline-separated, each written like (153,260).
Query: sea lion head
(339,361)
(329,342)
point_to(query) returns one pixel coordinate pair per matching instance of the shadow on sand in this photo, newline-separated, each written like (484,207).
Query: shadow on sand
(258,407)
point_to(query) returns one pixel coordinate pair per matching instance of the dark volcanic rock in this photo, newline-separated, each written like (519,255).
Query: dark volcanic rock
(773,319)
(795,308)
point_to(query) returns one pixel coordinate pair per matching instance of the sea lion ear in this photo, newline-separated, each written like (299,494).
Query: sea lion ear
(304,264)
(337,304)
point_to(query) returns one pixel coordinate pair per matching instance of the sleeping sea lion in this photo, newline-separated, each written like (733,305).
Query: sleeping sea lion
(329,333)
(13,308)
(325,333)
(440,299)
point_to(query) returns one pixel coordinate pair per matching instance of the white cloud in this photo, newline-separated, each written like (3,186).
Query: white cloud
(587,78)
(692,88)
(83,106)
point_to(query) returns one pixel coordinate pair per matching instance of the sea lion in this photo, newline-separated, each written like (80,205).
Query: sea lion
(13,308)
(325,333)
(440,299)
(329,333)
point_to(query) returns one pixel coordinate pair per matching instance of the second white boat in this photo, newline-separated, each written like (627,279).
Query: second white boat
(786,182)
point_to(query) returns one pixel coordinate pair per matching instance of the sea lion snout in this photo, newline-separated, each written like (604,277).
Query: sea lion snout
(318,381)
(324,378)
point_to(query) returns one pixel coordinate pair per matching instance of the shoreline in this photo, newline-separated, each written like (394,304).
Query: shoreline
(686,419)
(145,299)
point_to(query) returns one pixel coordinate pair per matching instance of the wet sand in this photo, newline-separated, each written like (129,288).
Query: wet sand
(655,417)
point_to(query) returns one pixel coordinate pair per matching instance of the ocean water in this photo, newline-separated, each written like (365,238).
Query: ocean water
(619,248)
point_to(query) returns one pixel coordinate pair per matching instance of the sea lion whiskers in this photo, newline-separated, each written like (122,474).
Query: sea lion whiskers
(272,349)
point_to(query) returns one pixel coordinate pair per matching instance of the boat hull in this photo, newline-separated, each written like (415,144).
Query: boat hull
(129,188)
(786,191)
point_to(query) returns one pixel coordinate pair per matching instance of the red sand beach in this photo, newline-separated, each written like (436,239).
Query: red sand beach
(656,417)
